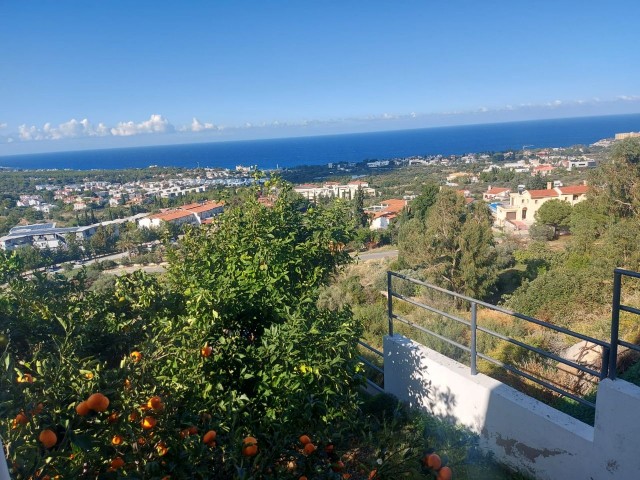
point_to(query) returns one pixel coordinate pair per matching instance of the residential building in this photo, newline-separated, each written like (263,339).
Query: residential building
(496,193)
(334,190)
(191,214)
(520,211)
(382,214)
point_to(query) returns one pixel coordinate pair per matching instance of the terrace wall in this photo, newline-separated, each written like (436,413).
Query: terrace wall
(520,431)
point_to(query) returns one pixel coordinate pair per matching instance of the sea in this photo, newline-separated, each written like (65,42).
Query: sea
(356,147)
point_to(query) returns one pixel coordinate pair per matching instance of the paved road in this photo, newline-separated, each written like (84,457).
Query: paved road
(376,255)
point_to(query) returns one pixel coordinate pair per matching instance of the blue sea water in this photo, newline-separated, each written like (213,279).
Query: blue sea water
(289,152)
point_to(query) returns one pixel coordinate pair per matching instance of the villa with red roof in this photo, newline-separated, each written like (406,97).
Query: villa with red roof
(191,214)
(520,212)
(382,214)
(496,193)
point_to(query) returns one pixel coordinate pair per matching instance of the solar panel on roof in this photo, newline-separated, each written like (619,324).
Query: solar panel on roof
(32,228)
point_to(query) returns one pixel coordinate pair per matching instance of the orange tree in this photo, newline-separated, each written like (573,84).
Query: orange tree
(133,381)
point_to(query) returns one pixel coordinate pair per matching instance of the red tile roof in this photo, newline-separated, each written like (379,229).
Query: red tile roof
(497,190)
(574,190)
(203,207)
(542,193)
(172,215)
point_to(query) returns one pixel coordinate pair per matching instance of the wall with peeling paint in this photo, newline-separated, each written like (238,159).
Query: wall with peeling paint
(520,431)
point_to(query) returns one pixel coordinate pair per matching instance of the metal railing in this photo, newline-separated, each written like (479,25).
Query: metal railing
(616,308)
(372,366)
(608,353)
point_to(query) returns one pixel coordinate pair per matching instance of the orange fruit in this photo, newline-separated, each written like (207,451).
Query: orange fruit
(148,422)
(162,448)
(127,383)
(116,440)
(133,416)
(304,439)
(155,403)
(206,351)
(309,448)
(48,438)
(117,463)
(193,430)
(37,410)
(82,409)
(302,478)
(338,466)
(184,433)
(113,418)
(98,402)
(141,441)
(249,447)
(26,378)
(373,474)
(433,461)
(21,419)
(445,473)
(330,448)
(209,437)
(346,476)
(136,356)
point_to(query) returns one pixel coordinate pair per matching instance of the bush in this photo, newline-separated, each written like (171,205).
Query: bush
(233,343)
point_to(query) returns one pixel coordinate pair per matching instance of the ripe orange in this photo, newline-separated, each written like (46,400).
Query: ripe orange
(445,473)
(127,383)
(304,439)
(302,478)
(209,437)
(373,474)
(113,418)
(117,463)
(21,419)
(136,356)
(26,378)
(206,351)
(155,403)
(184,433)
(48,438)
(330,448)
(433,461)
(98,402)
(133,416)
(141,441)
(82,409)
(249,447)
(193,430)
(116,440)
(337,466)
(309,448)
(162,448)
(148,422)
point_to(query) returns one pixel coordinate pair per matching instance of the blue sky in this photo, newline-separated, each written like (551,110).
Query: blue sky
(78,74)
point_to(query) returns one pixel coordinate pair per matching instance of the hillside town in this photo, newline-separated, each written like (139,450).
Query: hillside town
(513,207)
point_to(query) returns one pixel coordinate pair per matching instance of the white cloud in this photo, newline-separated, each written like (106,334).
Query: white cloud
(3,125)
(155,124)
(71,129)
(198,126)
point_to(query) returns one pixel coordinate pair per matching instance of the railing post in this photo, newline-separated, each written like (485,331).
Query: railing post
(390,303)
(615,324)
(604,368)
(474,333)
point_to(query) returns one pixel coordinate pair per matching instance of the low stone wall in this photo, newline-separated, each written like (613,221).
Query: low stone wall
(520,431)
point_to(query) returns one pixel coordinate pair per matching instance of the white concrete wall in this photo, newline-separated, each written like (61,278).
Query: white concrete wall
(520,431)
